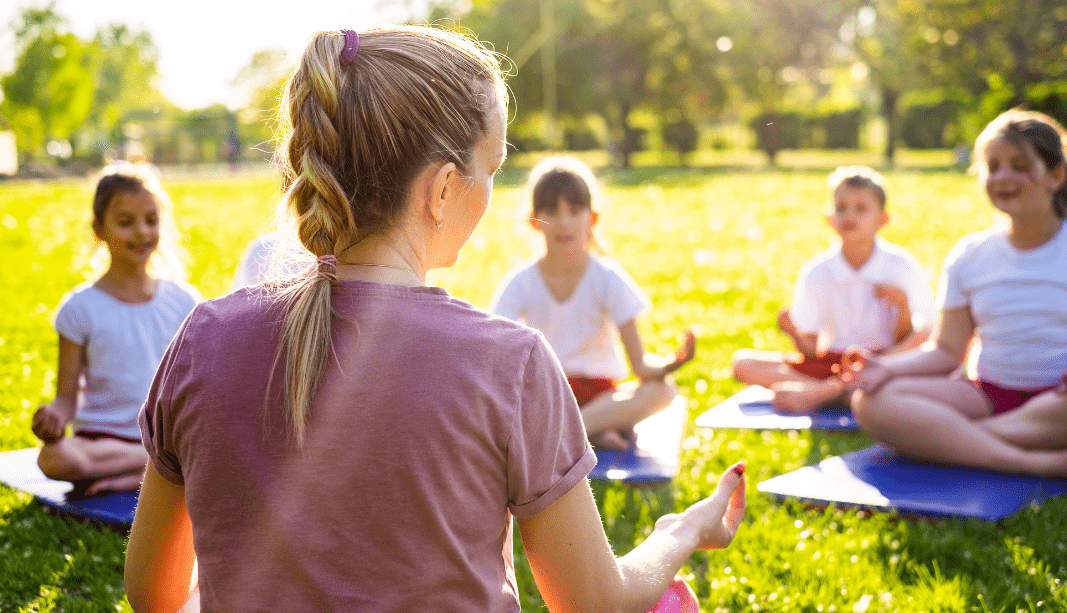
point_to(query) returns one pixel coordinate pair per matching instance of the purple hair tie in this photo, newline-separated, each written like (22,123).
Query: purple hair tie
(351,46)
(330,261)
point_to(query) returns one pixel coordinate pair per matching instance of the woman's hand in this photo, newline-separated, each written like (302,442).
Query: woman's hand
(718,516)
(862,370)
(50,421)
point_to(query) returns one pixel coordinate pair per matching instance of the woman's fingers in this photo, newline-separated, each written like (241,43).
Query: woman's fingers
(720,514)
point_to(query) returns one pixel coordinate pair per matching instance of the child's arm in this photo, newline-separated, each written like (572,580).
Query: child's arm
(650,365)
(806,343)
(50,420)
(951,338)
(160,557)
(905,337)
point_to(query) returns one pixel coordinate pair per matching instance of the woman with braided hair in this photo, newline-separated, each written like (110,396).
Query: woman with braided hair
(353,440)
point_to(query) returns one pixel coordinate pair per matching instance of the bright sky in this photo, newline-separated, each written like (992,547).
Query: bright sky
(204,43)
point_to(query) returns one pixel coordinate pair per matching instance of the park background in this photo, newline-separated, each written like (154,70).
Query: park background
(712,125)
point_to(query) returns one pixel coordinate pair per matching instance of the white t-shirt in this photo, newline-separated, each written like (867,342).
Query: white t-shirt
(837,302)
(264,260)
(1018,300)
(583,329)
(123,344)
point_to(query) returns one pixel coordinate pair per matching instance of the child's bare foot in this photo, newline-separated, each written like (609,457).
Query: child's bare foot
(797,398)
(612,440)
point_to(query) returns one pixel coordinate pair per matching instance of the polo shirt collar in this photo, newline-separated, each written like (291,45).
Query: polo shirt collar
(842,271)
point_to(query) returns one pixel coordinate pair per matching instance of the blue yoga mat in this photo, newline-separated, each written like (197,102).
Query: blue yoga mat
(751,408)
(876,477)
(18,469)
(656,454)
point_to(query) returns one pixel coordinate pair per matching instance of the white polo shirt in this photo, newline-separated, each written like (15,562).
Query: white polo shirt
(837,302)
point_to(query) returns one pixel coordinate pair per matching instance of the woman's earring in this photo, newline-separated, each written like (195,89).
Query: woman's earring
(440,225)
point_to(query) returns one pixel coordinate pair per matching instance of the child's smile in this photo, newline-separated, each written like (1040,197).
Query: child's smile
(130,227)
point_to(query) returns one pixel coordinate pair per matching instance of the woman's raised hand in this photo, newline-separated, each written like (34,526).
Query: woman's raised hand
(718,516)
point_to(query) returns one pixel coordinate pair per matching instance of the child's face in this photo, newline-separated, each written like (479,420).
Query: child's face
(857,213)
(566,227)
(1016,179)
(130,228)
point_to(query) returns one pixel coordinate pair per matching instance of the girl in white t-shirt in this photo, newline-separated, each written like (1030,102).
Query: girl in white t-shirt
(581,302)
(112,335)
(1008,287)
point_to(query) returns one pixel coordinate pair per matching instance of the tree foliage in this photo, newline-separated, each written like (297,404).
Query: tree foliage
(62,86)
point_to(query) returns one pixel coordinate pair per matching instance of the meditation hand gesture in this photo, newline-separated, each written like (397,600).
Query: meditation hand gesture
(718,516)
(684,354)
(49,422)
(862,370)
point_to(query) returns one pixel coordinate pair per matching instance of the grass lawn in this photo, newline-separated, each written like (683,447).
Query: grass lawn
(712,247)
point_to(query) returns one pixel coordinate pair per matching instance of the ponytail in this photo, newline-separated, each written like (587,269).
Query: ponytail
(358,133)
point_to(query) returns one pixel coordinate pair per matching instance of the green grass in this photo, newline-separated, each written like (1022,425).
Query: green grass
(713,247)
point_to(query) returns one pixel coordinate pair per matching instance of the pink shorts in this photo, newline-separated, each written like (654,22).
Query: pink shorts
(587,388)
(1005,399)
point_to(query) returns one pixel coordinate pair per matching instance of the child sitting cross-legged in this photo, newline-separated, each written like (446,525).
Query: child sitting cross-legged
(584,303)
(862,291)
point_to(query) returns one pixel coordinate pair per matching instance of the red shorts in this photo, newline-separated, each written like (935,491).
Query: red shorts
(587,388)
(818,367)
(89,434)
(1005,399)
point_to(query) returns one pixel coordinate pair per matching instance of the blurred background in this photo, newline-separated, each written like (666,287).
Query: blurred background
(195,84)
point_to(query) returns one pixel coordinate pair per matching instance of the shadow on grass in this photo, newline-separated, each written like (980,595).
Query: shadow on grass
(55,561)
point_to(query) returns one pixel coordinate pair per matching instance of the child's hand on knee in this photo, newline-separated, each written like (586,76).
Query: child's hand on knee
(49,423)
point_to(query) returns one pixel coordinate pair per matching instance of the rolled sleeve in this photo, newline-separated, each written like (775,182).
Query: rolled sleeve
(548,451)
(156,418)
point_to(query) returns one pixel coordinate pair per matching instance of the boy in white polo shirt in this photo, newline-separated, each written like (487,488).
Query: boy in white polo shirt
(863,291)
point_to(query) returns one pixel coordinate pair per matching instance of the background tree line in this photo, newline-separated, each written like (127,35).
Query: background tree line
(620,75)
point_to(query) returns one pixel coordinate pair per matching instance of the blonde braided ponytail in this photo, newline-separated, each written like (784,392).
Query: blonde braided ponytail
(358,134)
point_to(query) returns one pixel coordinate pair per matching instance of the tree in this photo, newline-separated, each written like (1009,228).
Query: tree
(776,47)
(50,93)
(263,79)
(610,58)
(125,71)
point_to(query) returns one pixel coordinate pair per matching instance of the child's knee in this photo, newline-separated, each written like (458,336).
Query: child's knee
(664,391)
(744,364)
(57,462)
(871,410)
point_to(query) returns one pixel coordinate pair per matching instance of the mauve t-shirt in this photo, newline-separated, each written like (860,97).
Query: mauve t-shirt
(434,425)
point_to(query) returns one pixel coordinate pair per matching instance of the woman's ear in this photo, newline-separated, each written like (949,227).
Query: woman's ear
(593,217)
(441,189)
(97,227)
(535,223)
